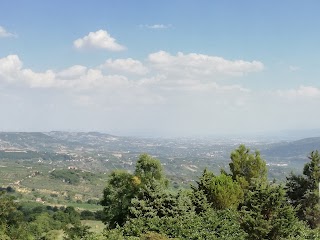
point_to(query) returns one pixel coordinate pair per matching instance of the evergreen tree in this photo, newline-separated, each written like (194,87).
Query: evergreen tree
(220,191)
(149,169)
(123,187)
(303,191)
(245,166)
(267,215)
(117,195)
(209,225)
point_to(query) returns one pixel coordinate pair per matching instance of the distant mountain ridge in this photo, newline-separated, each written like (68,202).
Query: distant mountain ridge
(298,148)
(56,140)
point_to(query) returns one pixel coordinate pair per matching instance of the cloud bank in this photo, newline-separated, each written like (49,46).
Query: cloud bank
(165,94)
(160,71)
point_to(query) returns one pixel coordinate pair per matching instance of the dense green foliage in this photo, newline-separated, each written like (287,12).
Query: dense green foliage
(242,205)
(303,191)
(189,225)
(29,221)
(245,167)
(119,192)
(267,215)
(221,191)
(123,187)
(72,176)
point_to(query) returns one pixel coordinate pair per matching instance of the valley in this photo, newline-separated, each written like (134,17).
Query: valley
(72,167)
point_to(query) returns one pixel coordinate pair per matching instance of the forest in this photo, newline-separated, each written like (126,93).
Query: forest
(239,203)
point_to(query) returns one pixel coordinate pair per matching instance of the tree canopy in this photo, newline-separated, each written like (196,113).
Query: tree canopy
(123,187)
(303,191)
(220,191)
(240,205)
(245,166)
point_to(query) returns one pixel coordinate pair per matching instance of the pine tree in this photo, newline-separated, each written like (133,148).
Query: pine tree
(123,187)
(303,191)
(267,215)
(245,166)
(220,191)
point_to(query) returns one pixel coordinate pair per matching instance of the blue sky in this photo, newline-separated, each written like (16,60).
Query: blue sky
(166,68)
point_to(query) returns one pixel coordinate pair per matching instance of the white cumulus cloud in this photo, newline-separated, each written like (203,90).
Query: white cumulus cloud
(74,78)
(12,71)
(10,67)
(100,39)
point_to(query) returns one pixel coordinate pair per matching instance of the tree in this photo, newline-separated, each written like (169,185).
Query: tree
(149,169)
(122,187)
(77,232)
(117,195)
(303,191)
(267,215)
(220,191)
(87,215)
(161,204)
(153,236)
(209,225)
(72,215)
(187,214)
(7,207)
(312,170)
(245,167)
(11,225)
(53,235)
